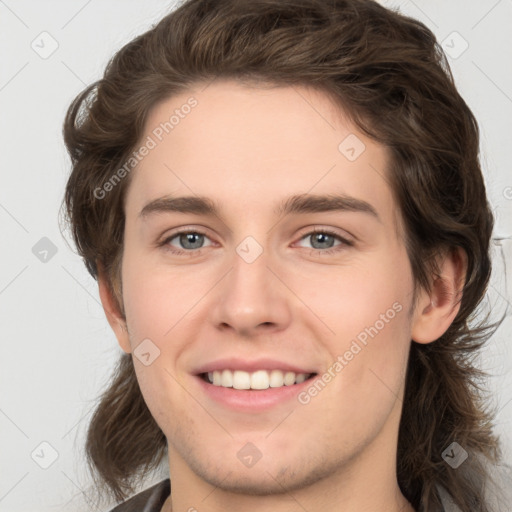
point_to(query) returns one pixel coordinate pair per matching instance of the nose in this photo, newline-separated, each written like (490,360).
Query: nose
(251,298)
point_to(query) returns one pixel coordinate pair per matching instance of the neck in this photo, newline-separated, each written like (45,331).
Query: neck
(396,502)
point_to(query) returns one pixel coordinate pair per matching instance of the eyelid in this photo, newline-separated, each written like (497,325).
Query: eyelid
(345,237)
(168,235)
(189,228)
(308,230)
(304,233)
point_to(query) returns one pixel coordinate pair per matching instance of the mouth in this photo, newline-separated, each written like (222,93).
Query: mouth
(253,392)
(246,385)
(258,380)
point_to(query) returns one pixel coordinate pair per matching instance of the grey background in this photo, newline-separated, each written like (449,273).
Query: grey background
(57,348)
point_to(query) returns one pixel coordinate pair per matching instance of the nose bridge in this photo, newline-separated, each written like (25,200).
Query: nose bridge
(251,266)
(250,294)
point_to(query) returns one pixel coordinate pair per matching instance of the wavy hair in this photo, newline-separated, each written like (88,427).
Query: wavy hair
(389,74)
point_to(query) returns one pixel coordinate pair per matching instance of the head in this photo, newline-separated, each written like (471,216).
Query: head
(316,100)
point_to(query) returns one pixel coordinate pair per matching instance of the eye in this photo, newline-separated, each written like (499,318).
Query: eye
(191,241)
(323,240)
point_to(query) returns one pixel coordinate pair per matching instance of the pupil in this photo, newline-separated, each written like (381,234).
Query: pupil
(323,238)
(189,238)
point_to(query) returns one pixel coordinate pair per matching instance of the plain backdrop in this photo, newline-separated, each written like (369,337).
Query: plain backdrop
(57,348)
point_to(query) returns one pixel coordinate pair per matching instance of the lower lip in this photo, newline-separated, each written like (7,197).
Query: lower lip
(252,400)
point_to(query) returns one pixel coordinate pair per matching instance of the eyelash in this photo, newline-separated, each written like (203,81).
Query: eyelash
(191,252)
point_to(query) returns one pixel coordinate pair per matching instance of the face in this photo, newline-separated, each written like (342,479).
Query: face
(305,286)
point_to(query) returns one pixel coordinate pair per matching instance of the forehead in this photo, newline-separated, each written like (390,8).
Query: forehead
(253,145)
(263,122)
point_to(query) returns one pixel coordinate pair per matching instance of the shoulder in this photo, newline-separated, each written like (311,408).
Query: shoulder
(149,500)
(498,490)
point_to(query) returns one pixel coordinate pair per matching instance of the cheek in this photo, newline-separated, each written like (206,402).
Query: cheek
(366,375)
(157,298)
(160,391)
(371,293)
(368,311)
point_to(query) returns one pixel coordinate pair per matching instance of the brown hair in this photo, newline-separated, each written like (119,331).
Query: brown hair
(390,75)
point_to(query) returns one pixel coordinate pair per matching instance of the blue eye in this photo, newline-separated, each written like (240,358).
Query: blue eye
(192,238)
(325,239)
(192,241)
(321,238)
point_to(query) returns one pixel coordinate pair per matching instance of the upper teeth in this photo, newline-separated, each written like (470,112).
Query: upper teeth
(260,379)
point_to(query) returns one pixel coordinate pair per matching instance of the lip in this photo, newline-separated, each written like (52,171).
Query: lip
(251,366)
(251,400)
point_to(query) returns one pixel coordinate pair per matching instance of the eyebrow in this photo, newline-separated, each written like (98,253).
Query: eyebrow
(303,203)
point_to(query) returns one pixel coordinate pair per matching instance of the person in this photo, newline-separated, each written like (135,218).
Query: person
(283,205)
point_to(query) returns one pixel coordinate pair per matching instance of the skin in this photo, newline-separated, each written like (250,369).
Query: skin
(249,148)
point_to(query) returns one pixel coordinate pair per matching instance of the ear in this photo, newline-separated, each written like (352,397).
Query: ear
(435,311)
(114,316)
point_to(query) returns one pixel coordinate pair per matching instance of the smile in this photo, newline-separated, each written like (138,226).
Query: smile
(257,380)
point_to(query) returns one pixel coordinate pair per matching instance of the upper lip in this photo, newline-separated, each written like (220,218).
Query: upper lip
(233,363)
